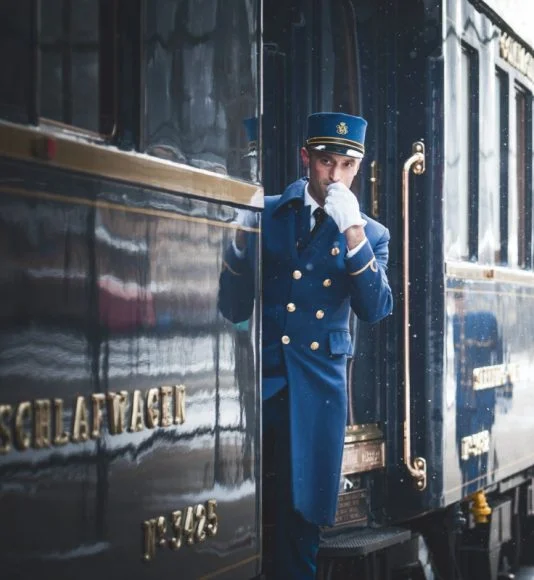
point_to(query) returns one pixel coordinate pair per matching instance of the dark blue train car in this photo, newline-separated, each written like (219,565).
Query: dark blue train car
(441,422)
(129,407)
(129,429)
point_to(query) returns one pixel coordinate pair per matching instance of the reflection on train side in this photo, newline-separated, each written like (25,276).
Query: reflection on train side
(102,306)
(477,343)
(485,379)
(133,416)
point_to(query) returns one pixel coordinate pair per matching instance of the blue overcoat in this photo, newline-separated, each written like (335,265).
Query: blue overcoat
(309,287)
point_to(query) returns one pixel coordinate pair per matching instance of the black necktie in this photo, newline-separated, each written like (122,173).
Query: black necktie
(319,214)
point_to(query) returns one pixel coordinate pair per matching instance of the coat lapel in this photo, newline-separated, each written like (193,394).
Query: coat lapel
(283,236)
(288,213)
(303,228)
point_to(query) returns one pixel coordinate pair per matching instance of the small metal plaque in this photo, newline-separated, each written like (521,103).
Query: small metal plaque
(363,456)
(352,507)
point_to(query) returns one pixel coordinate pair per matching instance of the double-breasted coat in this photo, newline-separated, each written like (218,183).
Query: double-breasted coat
(309,287)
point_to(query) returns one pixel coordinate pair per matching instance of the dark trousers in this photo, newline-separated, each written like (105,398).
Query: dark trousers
(290,543)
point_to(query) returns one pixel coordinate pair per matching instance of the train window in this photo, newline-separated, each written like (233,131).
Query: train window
(76,54)
(201,84)
(473,146)
(463,159)
(463,214)
(520,204)
(16,60)
(500,193)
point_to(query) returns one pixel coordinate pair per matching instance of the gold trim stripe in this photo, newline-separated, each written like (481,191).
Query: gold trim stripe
(466,271)
(228,568)
(117,207)
(227,267)
(368,265)
(23,143)
(515,293)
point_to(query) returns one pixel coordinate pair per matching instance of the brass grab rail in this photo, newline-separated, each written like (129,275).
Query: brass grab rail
(417,466)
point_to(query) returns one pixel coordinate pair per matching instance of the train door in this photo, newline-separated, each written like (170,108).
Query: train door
(365,58)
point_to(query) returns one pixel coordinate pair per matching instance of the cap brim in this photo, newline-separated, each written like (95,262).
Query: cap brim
(337,149)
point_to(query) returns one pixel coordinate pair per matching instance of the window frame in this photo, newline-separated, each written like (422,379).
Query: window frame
(523,172)
(473,149)
(516,79)
(469,150)
(108,72)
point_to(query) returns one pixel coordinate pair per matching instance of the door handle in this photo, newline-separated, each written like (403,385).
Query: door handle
(374,189)
(416,163)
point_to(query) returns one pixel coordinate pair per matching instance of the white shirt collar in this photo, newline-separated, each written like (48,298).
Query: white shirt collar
(308,200)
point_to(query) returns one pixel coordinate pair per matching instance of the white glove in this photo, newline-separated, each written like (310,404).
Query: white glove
(343,207)
(248,218)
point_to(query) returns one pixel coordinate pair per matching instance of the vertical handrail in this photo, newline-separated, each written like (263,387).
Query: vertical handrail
(417,466)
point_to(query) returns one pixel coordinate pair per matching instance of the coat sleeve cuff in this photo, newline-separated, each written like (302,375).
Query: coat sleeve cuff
(236,265)
(356,249)
(361,261)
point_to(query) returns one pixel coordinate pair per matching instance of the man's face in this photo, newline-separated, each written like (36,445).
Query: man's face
(327,168)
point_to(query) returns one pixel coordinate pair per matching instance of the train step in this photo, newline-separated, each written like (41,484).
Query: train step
(354,542)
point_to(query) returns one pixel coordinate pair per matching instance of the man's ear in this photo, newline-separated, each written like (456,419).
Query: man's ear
(305,156)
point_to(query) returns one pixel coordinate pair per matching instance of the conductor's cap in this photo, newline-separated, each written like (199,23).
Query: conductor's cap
(337,133)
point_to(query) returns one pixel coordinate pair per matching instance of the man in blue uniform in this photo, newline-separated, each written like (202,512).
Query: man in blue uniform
(321,257)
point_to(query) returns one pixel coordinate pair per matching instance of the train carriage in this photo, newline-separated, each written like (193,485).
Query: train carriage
(440,419)
(129,426)
(129,406)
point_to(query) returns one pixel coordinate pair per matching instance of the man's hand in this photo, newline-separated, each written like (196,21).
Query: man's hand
(247,218)
(343,207)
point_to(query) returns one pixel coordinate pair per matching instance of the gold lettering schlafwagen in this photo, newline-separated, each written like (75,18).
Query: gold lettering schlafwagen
(41,423)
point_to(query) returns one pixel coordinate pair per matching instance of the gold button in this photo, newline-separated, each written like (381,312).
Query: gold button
(291,307)
(286,339)
(319,314)
(297,274)
(327,283)
(314,345)
(334,251)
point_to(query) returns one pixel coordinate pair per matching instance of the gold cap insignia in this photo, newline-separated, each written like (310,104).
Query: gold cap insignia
(342,128)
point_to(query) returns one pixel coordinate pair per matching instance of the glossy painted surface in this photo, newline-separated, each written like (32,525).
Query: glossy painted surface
(107,288)
(464,321)
(489,324)
(408,85)
(480,319)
